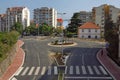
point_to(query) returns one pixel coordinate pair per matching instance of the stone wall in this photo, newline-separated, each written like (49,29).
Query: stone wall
(5,64)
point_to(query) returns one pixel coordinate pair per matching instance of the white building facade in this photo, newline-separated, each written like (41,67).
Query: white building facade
(89,31)
(18,14)
(3,22)
(45,15)
(100,13)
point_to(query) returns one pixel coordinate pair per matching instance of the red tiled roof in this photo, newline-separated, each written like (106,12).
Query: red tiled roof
(2,15)
(89,25)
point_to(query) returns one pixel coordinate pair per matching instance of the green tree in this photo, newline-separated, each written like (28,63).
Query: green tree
(32,29)
(111,36)
(46,29)
(75,23)
(18,27)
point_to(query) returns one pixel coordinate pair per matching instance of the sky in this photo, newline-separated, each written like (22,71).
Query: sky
(62,6)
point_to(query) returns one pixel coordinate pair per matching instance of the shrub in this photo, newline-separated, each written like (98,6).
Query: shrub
(7,40)
(56,42)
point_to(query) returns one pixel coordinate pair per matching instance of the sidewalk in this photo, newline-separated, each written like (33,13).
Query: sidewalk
(17,62)
(113,68)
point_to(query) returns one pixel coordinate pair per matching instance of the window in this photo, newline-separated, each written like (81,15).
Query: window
(95,30)
(82,36)
(89,30)
(96,37)
(82,30)
(89,36)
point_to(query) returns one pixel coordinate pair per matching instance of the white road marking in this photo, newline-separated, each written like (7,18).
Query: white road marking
(66,70)
(49,70)
(83,59)
(90,70)
(96,70)
(43,70)
(31,71)
(55,70)
(18,72)
(84,70)
(103,70)
(37,70)
(77,70)
(71,69)
(105,78)
(25,71)
(13,78)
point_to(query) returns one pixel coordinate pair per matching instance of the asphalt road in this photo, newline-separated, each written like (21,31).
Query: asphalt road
(82,64)
(38,66)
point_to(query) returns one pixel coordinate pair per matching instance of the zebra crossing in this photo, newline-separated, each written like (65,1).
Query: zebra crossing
(86,70)
(53,70)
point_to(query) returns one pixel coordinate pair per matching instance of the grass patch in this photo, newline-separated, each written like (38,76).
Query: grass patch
(60,76)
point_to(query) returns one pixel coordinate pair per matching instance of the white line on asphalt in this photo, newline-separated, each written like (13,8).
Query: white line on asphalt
(71,69)
(77,70)
(31,71)
(55,70)
(84,70)
(37,70)
(103,70)
(66,70)
(90,70)
(38,56)
(18,72)
(49,70)
(96,70)
(43,70)
(105,78)
(13,78)
(25,71)
(83,59)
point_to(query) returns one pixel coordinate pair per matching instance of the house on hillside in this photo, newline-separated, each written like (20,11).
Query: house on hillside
(89,30)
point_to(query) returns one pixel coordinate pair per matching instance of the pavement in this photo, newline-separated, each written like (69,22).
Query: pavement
(107,62)
(17,62)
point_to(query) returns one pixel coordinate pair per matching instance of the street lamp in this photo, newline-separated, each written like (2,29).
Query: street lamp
(61,14)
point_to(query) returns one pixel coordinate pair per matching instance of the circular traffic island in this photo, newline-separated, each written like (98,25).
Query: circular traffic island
(64,43)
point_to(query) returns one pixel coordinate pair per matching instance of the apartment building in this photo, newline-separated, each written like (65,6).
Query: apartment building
(45,15)
(100,13)
(3,22)
(85,16)
(18,14)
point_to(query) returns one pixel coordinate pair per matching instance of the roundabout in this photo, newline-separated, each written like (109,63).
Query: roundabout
(62,44)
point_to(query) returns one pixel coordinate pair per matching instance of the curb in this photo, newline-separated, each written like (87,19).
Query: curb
(13,67)
(62,45)
(103,64)
(22,60)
